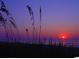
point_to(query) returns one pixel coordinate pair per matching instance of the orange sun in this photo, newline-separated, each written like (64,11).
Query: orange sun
(63,36)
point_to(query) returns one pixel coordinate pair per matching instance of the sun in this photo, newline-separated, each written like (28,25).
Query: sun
(63,36)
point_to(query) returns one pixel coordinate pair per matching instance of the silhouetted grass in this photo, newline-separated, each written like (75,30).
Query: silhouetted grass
(32,18)
(3,8)
(7,23)
(40,24)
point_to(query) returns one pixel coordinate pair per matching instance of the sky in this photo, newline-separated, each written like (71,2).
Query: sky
(58,16)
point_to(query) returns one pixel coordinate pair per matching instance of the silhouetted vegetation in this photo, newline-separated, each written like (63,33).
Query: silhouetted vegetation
(40,24)
(7,23)
(33,21)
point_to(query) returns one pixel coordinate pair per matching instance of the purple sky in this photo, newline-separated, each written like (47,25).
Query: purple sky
(57,15)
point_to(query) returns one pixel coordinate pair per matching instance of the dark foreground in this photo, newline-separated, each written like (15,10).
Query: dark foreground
(28,50)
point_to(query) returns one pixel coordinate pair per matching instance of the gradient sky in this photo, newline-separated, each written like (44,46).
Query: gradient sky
(57,15)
